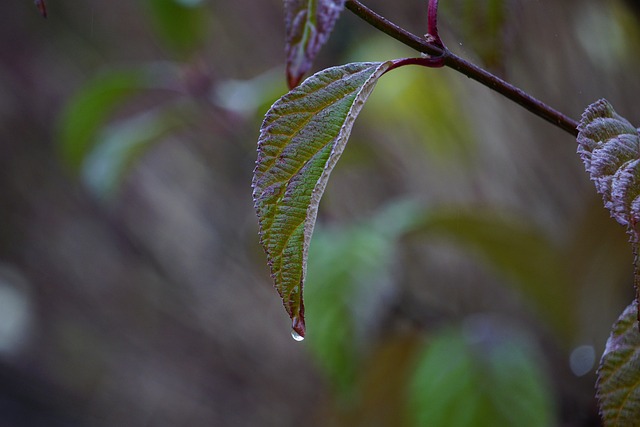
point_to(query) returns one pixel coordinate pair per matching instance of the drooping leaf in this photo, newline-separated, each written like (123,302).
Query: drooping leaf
(619,373)
(180,23)
(485,374)
(308,26)
(301,139)
(610,148)
(88,110)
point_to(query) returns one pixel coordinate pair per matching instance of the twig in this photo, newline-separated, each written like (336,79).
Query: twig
(470,70)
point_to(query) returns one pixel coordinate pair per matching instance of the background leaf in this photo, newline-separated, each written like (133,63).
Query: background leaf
(121,143)
(350,284)
(515,249)
(181,23)
(308,25)
(302,138)
(483,374)
(87,112)
(619,372)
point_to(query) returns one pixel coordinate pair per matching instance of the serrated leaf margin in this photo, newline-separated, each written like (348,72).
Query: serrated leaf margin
(621,356)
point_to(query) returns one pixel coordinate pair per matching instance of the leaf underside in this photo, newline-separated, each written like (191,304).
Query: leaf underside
(301,139)
(308,24)
(619,373)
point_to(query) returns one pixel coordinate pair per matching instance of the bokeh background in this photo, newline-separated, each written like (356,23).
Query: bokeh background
(463,270)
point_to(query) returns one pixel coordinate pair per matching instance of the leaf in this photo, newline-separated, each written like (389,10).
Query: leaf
(514,248)
(87,111)
(619,373)
(610,148)
(483,374)
(346,264)
(308,24)
(180,23)
(120,144)
(301,139)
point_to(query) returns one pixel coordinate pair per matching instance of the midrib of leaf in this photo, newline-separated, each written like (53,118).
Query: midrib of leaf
(323,145)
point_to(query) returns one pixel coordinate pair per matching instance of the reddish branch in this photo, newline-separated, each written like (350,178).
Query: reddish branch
(433,46)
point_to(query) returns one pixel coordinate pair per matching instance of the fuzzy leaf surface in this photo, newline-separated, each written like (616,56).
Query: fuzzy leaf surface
(619,373)
(301,139)
(610,149)
(308,24)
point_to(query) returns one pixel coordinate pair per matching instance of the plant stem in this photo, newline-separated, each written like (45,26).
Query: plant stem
(470,70)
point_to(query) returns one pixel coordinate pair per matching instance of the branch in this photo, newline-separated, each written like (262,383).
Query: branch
(470,70)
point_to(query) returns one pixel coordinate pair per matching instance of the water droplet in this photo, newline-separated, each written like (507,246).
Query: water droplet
(296,336)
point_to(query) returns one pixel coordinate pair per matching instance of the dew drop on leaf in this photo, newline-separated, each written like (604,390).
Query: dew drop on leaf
(296,336)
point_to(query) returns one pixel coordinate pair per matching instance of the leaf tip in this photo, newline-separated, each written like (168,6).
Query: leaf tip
(298,326)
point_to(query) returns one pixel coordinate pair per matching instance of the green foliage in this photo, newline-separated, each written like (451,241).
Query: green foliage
(619,372)
(97,101)
(120,144)
(482,375)
(350,276)
(97,143)
(180,23)
(515,249)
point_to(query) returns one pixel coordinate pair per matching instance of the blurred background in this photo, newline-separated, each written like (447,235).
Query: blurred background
(463,271)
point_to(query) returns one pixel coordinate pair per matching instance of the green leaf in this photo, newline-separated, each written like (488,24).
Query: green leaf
(89,109)
(181,23)
(514,248)
(619,373)
(484,374)
(347,264)
(301,139)
(308,25)
(120,144)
